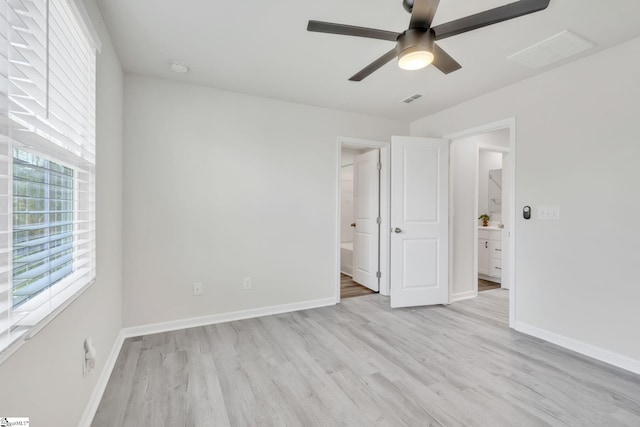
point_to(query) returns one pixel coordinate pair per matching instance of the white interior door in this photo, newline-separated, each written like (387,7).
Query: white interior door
(419,221)
(366,204)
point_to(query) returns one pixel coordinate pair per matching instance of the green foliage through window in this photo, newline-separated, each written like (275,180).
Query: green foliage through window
(42,224)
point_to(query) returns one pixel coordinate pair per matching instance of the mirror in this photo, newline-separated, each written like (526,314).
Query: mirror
(495,191)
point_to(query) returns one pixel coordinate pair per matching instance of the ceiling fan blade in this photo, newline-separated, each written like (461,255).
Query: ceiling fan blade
(489,17)
(350,30)
(375,65)
(423,13)
(443,61)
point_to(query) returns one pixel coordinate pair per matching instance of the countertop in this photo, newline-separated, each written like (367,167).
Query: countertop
(490,228)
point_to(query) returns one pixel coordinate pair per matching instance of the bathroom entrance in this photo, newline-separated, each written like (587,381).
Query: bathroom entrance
(490,213)
(483,191)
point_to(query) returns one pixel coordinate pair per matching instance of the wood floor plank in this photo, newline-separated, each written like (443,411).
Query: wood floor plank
(360,363)
(350,289)
(486,285)
(123,376)
(205,401)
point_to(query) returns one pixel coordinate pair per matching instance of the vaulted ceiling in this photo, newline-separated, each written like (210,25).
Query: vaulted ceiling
(262,48)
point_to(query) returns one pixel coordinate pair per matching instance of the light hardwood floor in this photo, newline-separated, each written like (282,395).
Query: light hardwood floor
(363,364)
(350,289)
(485,285)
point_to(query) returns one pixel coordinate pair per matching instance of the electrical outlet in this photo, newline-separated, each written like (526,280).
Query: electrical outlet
(89,356)
(197,288)
(246,283)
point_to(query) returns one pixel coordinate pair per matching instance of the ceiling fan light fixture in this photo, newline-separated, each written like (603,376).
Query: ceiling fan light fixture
(415,49)
(415,58)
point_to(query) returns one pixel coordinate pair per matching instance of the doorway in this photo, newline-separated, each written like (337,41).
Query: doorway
(426,165)
(492,182)
(362,189)
(466,230)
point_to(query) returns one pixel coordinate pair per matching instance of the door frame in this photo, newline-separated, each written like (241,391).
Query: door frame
(383,252)
(509,123)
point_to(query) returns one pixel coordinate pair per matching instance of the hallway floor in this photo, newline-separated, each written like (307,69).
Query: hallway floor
(350,289)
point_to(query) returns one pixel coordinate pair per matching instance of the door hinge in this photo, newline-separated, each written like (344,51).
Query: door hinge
(379,166)
(378,274)
(379,220)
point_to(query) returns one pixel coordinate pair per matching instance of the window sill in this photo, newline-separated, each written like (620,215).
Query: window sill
(18,338)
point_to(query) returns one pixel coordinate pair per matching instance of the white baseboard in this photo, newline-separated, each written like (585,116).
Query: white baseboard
(101,385)
(193,322)
(615,359)
(463,296)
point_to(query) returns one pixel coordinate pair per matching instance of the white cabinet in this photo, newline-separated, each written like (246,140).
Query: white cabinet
(490,254)
(495,246)
(484,254)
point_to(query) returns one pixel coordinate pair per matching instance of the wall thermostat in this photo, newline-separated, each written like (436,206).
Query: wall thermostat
(526,212)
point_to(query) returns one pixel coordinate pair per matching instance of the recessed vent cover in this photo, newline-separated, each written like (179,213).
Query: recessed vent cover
(412,98)
(556,48)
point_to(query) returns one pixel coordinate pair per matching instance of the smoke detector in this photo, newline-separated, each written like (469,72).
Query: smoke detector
(179,67)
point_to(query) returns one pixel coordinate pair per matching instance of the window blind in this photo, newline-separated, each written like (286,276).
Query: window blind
(47,161)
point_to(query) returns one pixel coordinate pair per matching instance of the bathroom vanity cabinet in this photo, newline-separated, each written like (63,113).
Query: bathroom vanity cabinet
(490,253)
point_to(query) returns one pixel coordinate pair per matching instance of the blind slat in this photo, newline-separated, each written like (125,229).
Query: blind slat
(47,129)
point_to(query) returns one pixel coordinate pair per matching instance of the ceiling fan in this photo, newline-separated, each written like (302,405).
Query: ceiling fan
(415,47)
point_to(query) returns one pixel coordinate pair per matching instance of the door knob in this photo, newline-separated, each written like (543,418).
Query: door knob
(397,230)
(353,224)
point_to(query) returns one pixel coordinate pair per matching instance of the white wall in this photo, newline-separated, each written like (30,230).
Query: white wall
(221,186)
(43,380)
(577,148)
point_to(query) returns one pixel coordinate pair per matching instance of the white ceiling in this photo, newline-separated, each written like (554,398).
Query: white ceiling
(261,47)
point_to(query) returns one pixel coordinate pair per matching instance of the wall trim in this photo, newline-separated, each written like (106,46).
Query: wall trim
(153,328)
(173,325)
(615,359)
(96,396)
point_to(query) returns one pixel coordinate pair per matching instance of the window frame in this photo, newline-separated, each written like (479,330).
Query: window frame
(75,151)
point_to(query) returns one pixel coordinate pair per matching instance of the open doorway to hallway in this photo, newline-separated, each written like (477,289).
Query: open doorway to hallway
(359,228)
(362,196)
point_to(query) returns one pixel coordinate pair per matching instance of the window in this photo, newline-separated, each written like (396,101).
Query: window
(47,161)
(42,225)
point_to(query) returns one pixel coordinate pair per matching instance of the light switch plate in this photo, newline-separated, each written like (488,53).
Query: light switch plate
(549,213)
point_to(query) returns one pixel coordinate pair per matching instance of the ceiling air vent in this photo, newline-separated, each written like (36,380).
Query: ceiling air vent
(412,98)
(556,48)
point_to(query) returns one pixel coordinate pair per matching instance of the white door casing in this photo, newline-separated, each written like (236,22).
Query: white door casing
(366,205)
(419,221)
